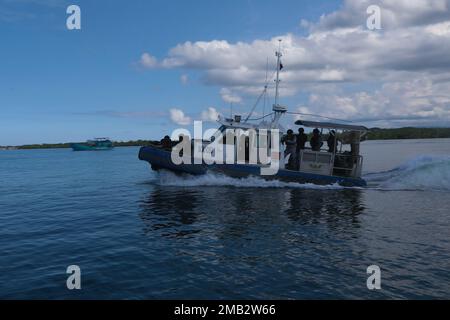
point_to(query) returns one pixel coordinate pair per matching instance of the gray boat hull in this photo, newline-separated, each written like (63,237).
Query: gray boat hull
(161,159)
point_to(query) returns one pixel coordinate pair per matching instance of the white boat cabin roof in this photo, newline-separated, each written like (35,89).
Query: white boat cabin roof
(330,125)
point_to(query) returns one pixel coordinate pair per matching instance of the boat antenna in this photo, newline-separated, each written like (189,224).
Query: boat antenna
(276,107)
(277,81)
(256,103)
(267,84)
(262,95)
(278,110)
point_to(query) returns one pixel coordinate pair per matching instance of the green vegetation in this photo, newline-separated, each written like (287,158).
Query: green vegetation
(374,134)
(408,133)
(136,143)
(45,146)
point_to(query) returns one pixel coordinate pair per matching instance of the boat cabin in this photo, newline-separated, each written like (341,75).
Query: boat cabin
(99,142)
(345,160)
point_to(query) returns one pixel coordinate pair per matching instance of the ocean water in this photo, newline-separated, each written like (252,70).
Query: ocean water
(137,234)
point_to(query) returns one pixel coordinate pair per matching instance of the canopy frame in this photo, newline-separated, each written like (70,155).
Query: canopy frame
(331,125)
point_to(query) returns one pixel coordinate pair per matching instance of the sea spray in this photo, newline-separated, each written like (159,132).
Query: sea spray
(427,172)
(422,173)
(167,178)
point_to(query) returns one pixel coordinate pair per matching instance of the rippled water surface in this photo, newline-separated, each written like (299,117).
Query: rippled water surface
(137,234)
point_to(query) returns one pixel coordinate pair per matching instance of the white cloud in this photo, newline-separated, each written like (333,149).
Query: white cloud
(229,97)
(178,117)
(343,55)
(409,54)
(148,61)
(211,114)
(439,29)
(414,100)
(184,79)
(394,13)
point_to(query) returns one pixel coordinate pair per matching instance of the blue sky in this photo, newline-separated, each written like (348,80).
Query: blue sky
(58,85)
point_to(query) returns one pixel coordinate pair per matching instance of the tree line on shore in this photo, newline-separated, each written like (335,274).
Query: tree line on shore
(374,134)
(408,133)
(133,143)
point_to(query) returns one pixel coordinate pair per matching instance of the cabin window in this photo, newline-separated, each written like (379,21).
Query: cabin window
(311,157)
(323,158)
(263,141)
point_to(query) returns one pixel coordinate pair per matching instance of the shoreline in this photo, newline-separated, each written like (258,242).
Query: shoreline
(375,134)
(145,142)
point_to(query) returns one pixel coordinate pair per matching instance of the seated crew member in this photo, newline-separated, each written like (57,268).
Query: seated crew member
(166,142)
(316,140)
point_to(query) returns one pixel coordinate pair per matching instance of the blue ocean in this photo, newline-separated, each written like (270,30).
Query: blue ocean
(137,234)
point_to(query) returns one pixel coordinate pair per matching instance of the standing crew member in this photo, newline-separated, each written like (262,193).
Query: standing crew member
(302,138)
(332,142)
(291,144)
(316,140)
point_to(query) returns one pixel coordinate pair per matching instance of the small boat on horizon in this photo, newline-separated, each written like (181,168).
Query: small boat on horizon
(96,144)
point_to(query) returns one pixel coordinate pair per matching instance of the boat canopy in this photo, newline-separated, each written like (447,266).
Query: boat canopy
(330,125)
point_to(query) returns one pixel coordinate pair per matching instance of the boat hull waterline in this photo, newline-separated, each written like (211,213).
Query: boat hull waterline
(161,159)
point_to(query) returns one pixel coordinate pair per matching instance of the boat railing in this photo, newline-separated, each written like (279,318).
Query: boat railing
(316,162)
(327,163)
(348,165)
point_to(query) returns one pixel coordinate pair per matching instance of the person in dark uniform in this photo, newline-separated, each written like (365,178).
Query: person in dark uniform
(332,142)
(316,140)
(166,142)
(290,141)
(302,138)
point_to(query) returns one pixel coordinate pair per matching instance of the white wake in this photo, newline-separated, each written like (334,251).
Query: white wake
(421,173)
(167,178)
